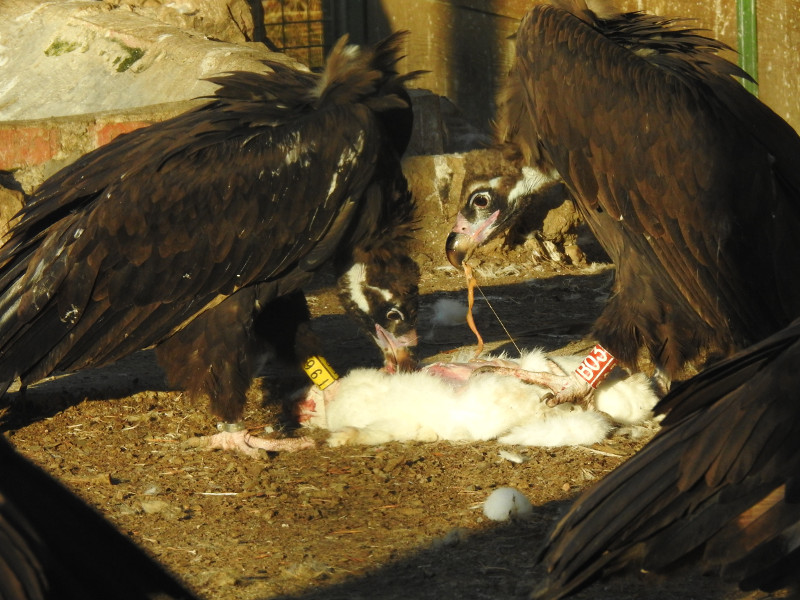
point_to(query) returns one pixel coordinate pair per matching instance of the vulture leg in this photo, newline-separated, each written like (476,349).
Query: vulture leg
(575,391)
(216,356)
(234,436)
(662,381)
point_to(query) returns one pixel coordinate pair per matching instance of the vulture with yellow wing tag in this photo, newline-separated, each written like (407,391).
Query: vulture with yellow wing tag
(186,235)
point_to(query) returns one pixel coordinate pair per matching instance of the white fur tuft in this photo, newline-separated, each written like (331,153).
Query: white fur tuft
(449,312)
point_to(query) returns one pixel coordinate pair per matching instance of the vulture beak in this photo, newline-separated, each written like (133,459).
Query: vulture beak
(466,237)
(398,351)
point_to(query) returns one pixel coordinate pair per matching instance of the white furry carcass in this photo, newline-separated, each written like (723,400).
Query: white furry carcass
(449,401)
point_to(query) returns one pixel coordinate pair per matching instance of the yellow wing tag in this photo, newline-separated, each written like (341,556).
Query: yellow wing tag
(320,372)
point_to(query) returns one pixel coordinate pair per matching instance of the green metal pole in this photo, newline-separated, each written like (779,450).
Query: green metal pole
(748,41)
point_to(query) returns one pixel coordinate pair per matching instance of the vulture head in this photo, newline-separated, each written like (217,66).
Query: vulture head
(383,298)
(378,283)
(493,205)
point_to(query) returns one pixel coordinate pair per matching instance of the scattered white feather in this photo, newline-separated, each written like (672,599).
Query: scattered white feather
(507,503)
(490,271)
(371,407)
(449,312)
(512,456)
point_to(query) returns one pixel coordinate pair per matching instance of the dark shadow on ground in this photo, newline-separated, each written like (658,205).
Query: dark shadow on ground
(498,563)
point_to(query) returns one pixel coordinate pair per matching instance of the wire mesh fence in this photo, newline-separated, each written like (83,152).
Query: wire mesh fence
(298,27)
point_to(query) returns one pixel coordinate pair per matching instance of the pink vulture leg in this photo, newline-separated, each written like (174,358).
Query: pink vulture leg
(234,436)
(214,357)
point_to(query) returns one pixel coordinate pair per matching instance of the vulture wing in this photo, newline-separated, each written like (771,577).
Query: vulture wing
(720,481)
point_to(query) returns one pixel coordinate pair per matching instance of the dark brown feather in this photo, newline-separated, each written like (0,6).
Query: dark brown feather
(693,188)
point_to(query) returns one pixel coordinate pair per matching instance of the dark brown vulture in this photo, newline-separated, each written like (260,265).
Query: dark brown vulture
(183,235)
(52,545)
(689,182)
(719,484)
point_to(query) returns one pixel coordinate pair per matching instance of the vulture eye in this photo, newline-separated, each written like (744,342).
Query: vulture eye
(395,315)
(480,199)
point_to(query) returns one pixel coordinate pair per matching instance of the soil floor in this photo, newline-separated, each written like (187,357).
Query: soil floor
(385,522)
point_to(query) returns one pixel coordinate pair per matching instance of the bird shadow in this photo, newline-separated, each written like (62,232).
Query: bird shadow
(499,562)
(128,376)
(546,313)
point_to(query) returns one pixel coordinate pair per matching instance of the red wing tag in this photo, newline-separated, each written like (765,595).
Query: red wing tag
(596,366)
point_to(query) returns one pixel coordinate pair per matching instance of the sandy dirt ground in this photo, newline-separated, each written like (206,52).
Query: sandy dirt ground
(396,521)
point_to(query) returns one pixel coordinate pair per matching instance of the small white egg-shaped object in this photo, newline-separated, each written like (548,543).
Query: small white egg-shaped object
(507,503)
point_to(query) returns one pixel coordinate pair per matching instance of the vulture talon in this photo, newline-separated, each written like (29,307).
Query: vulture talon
(574,391)
(240,440)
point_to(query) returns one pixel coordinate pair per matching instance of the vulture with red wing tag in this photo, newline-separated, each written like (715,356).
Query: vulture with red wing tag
(689,182)
(692,186)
